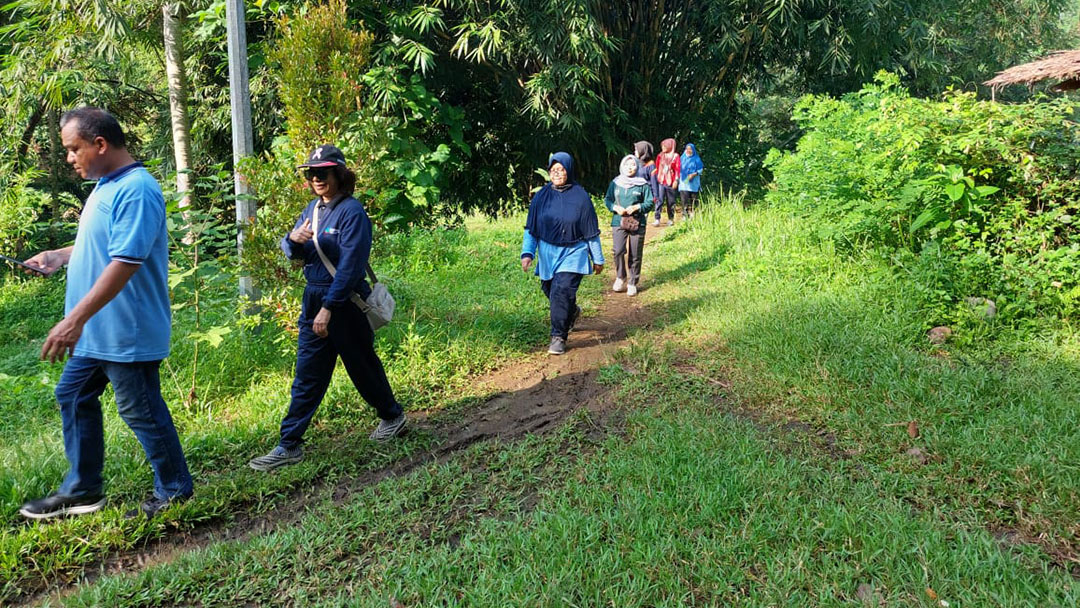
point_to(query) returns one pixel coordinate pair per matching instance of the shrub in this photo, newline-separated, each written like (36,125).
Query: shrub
(971,198)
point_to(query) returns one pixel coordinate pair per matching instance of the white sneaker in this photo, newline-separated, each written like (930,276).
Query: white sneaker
(656,223)
(671,222)
(631,290)
(619,285)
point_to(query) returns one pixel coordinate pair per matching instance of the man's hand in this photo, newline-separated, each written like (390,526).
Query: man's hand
(322,319)
(632,209)
(302,234)
(49,261)
(618,209)
(525,263)
(597,268)
(61,340)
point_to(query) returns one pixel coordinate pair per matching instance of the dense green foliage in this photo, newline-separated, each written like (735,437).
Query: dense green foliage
(971,199)
(451,104)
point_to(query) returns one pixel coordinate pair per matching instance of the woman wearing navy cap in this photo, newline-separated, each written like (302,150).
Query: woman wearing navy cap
(331,326)
(563,229)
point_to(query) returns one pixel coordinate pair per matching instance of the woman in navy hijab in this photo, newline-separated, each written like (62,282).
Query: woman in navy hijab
(563,229)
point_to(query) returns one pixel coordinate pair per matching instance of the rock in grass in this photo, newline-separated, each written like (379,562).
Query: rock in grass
(917,455)
(867,595)
(939,335)
(982,307)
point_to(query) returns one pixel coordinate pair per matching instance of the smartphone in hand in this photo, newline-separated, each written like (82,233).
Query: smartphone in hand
(40,271)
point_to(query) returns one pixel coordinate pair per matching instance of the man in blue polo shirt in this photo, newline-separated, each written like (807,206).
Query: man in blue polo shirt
(116,321)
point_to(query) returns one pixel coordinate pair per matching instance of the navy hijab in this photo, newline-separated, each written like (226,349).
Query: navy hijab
(562,217)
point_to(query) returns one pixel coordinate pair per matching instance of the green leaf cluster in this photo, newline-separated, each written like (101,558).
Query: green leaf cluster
(973,199)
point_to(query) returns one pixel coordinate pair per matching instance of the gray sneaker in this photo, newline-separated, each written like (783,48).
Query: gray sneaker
(557,346)
(278,457)
(388,429)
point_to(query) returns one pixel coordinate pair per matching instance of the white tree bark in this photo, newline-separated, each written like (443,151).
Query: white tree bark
(177,79)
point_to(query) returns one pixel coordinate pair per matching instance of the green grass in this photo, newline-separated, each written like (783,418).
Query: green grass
(488,312)
(692,506)
(840,344)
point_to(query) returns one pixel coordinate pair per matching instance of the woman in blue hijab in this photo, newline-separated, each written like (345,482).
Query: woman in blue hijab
(690,179)
(563,229)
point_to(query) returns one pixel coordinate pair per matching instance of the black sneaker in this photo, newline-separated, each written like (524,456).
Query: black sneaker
(557,346)
(57,505)
(388,429)
(154,505)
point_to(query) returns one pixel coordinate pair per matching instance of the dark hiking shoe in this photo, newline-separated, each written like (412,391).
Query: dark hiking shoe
(154,505)
(557,346)
(278,457)
(57,505)
(574,318)
(388,429)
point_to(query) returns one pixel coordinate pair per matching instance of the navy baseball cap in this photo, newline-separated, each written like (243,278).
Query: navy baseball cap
(325,156)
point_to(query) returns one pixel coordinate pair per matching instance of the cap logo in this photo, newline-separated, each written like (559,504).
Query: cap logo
(317,153)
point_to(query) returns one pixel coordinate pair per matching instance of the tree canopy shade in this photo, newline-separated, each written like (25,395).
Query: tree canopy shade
(594,76)
(487,88)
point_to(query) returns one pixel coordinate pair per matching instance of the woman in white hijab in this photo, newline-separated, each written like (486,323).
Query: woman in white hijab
(629,200)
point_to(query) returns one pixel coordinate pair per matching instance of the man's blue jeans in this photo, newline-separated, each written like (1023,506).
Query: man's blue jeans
(138,399)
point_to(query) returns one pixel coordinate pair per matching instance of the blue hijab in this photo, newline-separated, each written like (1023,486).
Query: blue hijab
(562,217)
(690,164)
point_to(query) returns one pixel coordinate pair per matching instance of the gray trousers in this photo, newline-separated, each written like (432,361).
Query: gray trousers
(628,249)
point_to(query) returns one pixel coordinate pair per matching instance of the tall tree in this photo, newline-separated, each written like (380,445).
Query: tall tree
(172,28)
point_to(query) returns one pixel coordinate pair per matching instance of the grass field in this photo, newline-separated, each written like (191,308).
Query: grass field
(764,454)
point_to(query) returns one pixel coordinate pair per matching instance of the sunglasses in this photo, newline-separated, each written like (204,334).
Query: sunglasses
(319,173)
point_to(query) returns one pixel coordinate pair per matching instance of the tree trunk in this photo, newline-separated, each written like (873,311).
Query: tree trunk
(56,155)
(28,132)
(174,70)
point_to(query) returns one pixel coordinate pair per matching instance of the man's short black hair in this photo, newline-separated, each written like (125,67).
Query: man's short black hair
(93,123)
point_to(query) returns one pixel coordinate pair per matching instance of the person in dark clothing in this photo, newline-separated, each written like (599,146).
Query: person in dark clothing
(628,196)
(643,150)
(330,324)
(562,233)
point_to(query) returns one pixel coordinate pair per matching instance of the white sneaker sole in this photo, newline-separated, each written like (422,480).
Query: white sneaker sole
(75,510)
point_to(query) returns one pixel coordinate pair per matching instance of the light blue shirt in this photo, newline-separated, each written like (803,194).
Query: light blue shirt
(578,257)
(691,185)
(124,219)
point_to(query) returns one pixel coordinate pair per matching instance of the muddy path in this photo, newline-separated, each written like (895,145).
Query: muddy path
(529,396)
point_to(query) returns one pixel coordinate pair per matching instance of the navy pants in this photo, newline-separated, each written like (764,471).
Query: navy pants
(667,197)
(350,337)
(689,201)
(561,292)
(137,388)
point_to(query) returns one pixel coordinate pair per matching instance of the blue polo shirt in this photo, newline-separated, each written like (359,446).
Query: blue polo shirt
(124,219)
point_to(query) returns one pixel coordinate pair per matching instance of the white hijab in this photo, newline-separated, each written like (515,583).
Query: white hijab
(630,170)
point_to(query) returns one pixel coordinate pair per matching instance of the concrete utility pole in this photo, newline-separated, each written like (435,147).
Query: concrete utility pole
(243,141)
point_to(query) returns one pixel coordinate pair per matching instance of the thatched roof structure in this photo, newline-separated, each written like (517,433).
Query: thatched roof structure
(1063,66)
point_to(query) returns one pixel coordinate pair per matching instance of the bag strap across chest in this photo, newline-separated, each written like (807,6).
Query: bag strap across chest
(322,256)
